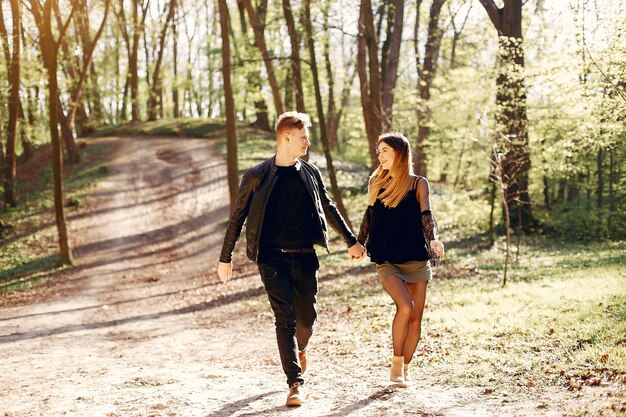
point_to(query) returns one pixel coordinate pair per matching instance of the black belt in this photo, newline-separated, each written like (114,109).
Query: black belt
(299,250)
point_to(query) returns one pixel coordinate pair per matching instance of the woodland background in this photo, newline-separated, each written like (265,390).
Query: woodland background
(108,235)
(515,108)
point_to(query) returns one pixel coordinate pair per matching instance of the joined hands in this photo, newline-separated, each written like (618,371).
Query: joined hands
(356,251)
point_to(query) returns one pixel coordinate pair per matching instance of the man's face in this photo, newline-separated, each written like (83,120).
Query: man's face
(298,141)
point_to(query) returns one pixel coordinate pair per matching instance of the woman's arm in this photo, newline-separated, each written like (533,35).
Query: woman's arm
(364,230)
(428,219)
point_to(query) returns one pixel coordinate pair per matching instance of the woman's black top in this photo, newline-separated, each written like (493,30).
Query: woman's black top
(395,233)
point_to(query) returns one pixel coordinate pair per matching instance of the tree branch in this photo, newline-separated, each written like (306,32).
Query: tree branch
(495,13)
(66,25)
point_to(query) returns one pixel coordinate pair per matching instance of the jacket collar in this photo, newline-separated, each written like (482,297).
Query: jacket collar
(298,164)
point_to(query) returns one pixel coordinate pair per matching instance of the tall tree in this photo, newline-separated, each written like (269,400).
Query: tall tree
(378,77)
(294,36)
(50,49)
(13,70)
(391,58)
(511,117)
(308,27)
(89,46)
(424,84)
(369,81)
(175,99)
(132,47)
(258,27)
(253,75)
(335,112)
(231,132)
(156,87)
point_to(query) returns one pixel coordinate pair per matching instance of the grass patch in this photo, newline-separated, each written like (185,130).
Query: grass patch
(561,321)
(29,252)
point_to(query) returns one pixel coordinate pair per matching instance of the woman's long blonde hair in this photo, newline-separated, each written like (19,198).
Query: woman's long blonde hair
(397,180)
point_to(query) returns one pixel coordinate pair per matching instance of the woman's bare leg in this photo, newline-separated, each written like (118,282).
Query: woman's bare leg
(417,293)
(404,307)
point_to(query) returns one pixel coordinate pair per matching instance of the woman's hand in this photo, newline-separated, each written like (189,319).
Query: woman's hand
(438,248)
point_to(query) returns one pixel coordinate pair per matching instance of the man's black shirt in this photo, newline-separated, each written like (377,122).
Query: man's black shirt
(290,218)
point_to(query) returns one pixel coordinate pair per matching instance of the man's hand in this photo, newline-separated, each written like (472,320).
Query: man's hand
(356,251)
(225,271)
(438,248)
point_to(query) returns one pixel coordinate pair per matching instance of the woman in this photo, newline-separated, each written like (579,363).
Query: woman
(400,234)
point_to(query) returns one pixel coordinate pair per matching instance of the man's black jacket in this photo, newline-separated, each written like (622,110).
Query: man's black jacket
(255,189)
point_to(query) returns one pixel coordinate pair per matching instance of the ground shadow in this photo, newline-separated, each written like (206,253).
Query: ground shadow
(206,305)
(232,408)
(379,395)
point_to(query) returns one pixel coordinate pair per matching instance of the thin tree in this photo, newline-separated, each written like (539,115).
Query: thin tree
(259,28)
(378,77)
(391,57)
(511,117)
(156,87)
(13,70)
(320,114)
(50,49)
(369,81)
(334,111)
(175,99)
(231,131)
(132,47)
(294,36)
(253,72)
(89,46)
(424,84)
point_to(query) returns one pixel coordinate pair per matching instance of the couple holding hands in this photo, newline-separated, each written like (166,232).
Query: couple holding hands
(288,211)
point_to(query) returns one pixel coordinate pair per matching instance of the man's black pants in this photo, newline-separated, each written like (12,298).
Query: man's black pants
(290,281)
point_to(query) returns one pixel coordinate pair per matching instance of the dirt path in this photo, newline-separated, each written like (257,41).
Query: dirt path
(150,332)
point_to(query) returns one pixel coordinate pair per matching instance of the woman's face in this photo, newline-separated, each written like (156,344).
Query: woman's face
(386,155)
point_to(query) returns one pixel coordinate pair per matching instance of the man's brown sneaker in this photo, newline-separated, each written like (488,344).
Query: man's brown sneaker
(296,395)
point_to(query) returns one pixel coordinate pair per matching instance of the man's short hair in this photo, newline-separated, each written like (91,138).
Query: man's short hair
(291,120)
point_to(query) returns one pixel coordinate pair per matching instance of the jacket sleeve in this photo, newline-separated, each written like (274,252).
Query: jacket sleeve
(364,230)
(334,218)
(238,216)
(429,224)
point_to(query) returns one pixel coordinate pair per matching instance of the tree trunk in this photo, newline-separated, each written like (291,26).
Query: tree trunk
(611,195)
(155,89)
(320,113)
(425,81)
(289,92)
(390,64)
(491,232)
(295,55)
(88,46)
(254,79)
(175,64)
(67,135)
(14,104)
(600,189)
(259,37)
(511,117)
(370,82)
(546,192)
(49,48)
(132,65)
(231,132)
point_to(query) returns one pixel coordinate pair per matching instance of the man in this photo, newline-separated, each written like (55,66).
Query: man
(288,208)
